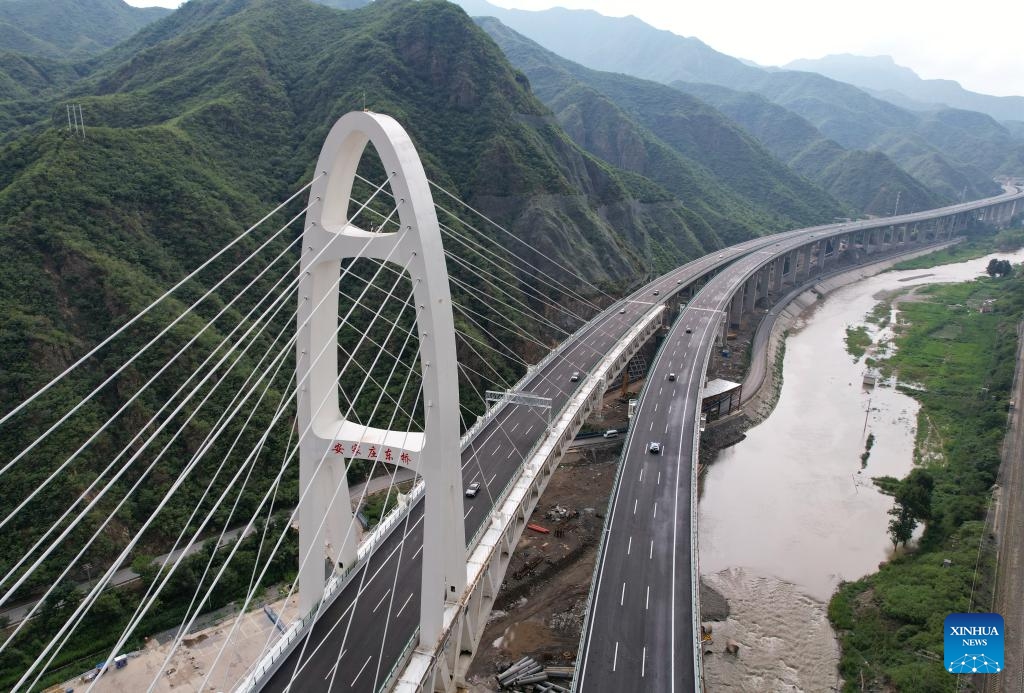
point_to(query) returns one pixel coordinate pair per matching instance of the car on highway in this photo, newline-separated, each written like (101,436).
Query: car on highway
(689,330)
(473,489)
(654,448)
(575,376)
(656,292)
(671,376)
(622,310)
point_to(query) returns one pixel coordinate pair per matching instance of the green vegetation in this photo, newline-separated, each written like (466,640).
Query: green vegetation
(114,607)
(978,245)
(868,444)
(67,28)
(379,504)
(662,133)
(857,341)
(880,314)
(890,623)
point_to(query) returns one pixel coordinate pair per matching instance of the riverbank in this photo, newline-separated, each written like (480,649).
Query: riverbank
(783,583)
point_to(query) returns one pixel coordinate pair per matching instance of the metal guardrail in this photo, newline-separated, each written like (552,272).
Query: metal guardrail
(270,662)
(603,544)
(396,668)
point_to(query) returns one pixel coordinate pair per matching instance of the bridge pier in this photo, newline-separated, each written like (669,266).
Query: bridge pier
(776,280)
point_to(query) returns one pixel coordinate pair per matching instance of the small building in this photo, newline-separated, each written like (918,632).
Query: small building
(720,398)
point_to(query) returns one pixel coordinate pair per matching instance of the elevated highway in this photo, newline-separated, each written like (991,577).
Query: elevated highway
(381,595)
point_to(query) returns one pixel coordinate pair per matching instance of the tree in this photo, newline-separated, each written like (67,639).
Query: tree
(901,526)
(999,268)
(915,494)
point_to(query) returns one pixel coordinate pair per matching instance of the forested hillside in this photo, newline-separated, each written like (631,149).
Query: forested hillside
(203,121)
(665,135)
(70,28)
(841,112)
(867,181)
(884,78)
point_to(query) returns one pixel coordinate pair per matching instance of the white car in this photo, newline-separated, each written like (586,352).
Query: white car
(473,489)
(575,376)
(654,448)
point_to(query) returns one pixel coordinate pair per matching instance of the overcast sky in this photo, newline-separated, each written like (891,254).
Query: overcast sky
(977,45)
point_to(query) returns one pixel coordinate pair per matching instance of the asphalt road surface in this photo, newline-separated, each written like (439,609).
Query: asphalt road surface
(361,633)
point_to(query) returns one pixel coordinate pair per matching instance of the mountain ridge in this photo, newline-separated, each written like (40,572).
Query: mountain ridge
(70,28)
(882,75)
(842,112)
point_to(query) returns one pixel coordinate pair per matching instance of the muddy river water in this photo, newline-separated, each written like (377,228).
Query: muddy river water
(788,512)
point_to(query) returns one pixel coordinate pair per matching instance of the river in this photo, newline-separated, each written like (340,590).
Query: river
(788,512)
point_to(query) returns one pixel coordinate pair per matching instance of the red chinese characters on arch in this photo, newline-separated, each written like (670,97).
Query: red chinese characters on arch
(369,451)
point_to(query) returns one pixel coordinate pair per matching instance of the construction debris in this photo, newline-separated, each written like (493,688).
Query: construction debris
(528,676)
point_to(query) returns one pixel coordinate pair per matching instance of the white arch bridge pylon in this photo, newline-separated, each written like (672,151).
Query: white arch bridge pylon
(458,583)
(327,532)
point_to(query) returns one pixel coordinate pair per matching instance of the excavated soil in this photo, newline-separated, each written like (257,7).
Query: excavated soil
(539,611)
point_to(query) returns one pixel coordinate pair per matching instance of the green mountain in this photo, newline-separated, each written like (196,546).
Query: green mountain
(842,112)
(70,28)
(867,181)
(669,137)
(201,121)
(884,78)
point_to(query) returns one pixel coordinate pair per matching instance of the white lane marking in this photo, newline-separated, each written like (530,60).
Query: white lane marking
(651,554)
(510,453)
(656,407)
(659,478)
(495,476)
(386,593)
(647,599)
(641,473)
(515,427)
(643,663)
(496,450)
(468,512)
(420,549)
(659,391)
(634,505)
(404,604)
(666,429)
(615,659)
(629,546)
(622,597)
(529,429)
(655,509)
(363,668)
(652,426)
